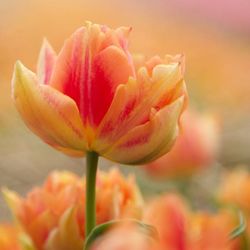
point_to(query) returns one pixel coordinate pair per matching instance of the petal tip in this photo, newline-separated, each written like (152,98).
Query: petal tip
(20,72)
(46,45)
(18,68)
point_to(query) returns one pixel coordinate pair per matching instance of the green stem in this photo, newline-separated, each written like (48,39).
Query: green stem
(90,212)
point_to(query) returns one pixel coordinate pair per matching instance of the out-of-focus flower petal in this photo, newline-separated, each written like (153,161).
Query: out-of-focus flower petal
(125,236)
(169,215)
(117,197)
(211,231)
(194,150)
(180,228)
(67,235)
(9,237)
(234,190)
(49,113)
(12,199)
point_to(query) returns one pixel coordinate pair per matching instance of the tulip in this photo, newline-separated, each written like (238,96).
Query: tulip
(53,215)
(169,215)
(91,97)
(195,149)
(211,231)
(181,229)
(235,189)
(9,237)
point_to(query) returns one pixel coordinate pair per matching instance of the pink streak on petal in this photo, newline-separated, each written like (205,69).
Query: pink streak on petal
(109,69)
(90,76)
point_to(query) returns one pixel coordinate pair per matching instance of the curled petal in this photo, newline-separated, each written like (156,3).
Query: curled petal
(149,141)
(179,58)
(126,99)
(46,62)
(133,102)
(51,115)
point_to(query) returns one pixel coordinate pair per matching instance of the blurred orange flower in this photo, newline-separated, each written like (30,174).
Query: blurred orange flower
(53,215)
(9,237)
(169,215)
(235,189)
(195,148)
(91,97)
(125,236)
(179,228)
(211,231)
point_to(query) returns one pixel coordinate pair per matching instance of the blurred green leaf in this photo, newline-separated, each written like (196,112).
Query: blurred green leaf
(237,231)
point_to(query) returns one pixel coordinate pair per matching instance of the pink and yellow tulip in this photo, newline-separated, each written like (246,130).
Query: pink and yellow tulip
(195,148)
(53,215)
(92,97)
(9,237)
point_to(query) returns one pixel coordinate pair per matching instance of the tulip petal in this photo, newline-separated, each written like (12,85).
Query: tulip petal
(149,141)
(110,68)
(133,102)
(51,115)
(90,75)
(67,234)
(12,199)
(46,62)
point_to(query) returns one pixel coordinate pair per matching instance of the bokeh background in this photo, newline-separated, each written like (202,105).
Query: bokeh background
(213,35)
